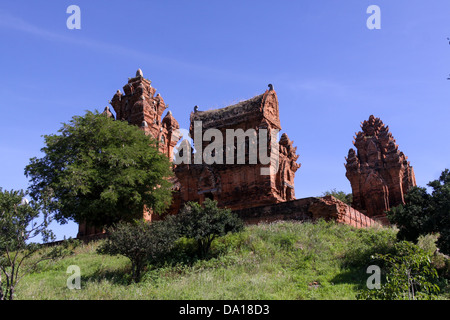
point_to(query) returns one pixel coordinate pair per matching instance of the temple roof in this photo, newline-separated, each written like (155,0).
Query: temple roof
(237,110)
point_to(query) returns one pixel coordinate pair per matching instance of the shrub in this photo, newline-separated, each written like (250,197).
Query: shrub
(206,223)
(428,243)
(425,213)
(18,226)
(409,275)
(412,218)
(347,198)
(141,242)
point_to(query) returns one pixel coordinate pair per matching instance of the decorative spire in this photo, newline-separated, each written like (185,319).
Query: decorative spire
(139,73)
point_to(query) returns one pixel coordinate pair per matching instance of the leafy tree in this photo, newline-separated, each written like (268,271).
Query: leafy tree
(425,213)
(347,198)
(100,171)
(440,208)
(141,242)
(206,223)
(412,218)
(20,222)
(409,275)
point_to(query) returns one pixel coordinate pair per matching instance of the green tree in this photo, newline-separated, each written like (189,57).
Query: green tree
(140,241)
(347,198)
(440,208)
(412,218)
(425,213)
(409,275)
(204,224)
(100,171)
(20,222)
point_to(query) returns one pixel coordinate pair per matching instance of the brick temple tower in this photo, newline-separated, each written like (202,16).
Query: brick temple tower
(239,185)
(378,172)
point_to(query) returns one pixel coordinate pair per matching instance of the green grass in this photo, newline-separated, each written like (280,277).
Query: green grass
(284,260)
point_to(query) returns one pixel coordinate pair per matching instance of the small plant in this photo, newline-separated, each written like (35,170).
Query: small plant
(409,275)
(428,243)
(141,242)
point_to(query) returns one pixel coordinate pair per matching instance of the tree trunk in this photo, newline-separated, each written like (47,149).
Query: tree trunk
(200,248)
(136,267)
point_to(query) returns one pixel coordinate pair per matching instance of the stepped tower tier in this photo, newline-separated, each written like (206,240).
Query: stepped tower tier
(139,105)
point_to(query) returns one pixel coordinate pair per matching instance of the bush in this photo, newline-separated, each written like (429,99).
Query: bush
(347,198)
(141,242)
(425,213)
(428,243)
(206,223)
(412,218)
(19,255)
(409,275)
(438,260)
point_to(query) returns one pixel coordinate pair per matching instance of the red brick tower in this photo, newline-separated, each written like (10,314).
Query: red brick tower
(239,185)
(378,172)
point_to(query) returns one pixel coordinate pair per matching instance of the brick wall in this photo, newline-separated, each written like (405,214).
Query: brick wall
(308,209)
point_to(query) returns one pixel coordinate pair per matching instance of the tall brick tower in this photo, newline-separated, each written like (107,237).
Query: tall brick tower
(378,172)
(239,186)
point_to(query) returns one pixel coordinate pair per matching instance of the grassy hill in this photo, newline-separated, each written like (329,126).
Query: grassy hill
(283,260)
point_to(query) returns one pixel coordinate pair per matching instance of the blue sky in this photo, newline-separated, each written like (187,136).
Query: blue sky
(329,70)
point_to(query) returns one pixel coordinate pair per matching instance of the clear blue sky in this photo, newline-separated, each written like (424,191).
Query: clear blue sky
(329,70)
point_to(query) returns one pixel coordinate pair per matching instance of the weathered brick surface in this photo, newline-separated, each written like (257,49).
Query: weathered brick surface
(85,230)
(291,210)
(308,209)
(331,208)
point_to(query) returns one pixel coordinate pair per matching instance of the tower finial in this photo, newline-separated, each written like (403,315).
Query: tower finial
(270,86)
(139,73)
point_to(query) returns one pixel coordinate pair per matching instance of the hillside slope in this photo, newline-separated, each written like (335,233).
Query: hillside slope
(283,260)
